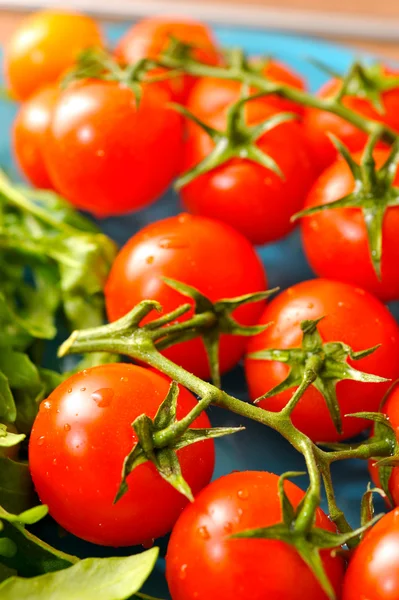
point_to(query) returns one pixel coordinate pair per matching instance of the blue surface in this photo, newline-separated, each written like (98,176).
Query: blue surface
(258,447)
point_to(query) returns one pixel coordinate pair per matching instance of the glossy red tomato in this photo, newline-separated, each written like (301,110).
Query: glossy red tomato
(107,156)
(373,572)
(206,254)
(210,95)
(336,241)
(29,135)
(318,122)
(203,562)
(352,316)
(44,46)
(246,195)
(78,443)
(391,409)
(150,37)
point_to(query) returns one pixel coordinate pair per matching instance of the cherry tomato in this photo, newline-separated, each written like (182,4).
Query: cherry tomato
(352,316)
(44,46)
(246,195)
(206,254)
(78,444)
(29,135)
(150,37)
(318,122)
(336,242)
(391,409)
(373,572)
(107,156)
(210,95)
(204,562)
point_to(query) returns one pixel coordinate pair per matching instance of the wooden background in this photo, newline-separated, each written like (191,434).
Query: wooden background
(374,9)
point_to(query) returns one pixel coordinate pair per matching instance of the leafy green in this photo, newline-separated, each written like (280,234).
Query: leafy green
(16,489)
(90,579)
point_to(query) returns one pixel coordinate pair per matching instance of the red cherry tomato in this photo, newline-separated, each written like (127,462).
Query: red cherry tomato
(151,37)
(210,95)
(203,561)
(44,46)
(336,241)
(78,443)
(107,156)
(318,123)
(246,195)
(29,135)
(373,572)
(200,252)
(353,317)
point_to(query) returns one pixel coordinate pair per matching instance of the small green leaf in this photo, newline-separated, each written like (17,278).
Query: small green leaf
(166,414)
(367,505)
(192,435)
(89,579)
(19,370)
(9,439)
(28,517)
(8,410)
(169,468)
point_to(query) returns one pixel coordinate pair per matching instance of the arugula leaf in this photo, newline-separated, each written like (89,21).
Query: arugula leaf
(8,438)
(16,488)
(90,579)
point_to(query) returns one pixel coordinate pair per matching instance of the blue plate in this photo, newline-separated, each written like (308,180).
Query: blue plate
(257,447)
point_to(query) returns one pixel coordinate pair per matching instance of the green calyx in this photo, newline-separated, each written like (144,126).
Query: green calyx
(374,193)
(309,543)
(319,364)
(238,140)
(160,438)
(368,82)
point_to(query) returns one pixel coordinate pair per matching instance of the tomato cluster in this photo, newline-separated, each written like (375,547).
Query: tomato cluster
(114,144)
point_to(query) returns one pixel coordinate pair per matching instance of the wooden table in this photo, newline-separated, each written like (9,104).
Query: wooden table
(377,9)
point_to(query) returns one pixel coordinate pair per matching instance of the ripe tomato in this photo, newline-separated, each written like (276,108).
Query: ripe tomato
(44,46)
(373,572)
(200,252)
(336,242)
(210,95)
(29,135)
(391,409)
(203,562)
(78,443)
(246,195)
(150,37)
(346,309)
(107,156)
(318,122)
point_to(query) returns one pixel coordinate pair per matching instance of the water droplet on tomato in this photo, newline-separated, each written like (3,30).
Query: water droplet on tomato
(243,494)
(46,404)
(341,304)
(69,390)
(125,379)
(204,533)
(240,512)
(147,544)
(172,242)
(310,305)
(40,441)
(183,572)
(228,527)
(183,218)
(54,461)
(84,371)
(103,397)
(83,389)
(67,427)
(149,260)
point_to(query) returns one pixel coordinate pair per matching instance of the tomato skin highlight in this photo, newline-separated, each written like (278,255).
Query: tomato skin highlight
(200,252)
(150,37)
(245,195)
(44,46)
(373,572)
(78,443)
(210,95)
(29,133)
(101,150)
(335,241)
(202,562)
(347,310)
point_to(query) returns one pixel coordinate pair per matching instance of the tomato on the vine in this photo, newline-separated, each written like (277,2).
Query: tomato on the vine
(105,154)
(79,440)
(206,254)
(210,95)
(30,129)
(150,37)
(246,195)
(351,316)
(373,572)
(336,241)
(44,46)
(204,562)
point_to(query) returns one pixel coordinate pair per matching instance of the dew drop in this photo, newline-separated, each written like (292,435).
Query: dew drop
(310,305)
(83,389)
(69,390)
(340,304)
(147,544)
(183,572)
(46,404)
(204,533)
(242,494)
(149,260)
(67,427)
(228,527)
(183,218)
(240,512)
(103,397)
(54,461)
(40,441)
(125,379)
(172,243)
(84,371)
